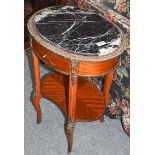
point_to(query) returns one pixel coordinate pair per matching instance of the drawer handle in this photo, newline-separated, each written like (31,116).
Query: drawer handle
(44,56)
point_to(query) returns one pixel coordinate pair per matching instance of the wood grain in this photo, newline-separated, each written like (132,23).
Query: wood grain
(63,65)
(89,102)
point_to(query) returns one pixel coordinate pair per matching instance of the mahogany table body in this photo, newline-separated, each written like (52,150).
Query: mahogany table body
(76,95)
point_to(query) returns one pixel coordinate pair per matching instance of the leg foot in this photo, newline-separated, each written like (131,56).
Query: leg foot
(70,139)
(70,132)
(102,118)
(36,100)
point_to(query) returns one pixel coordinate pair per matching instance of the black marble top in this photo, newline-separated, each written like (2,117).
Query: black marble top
(78,31)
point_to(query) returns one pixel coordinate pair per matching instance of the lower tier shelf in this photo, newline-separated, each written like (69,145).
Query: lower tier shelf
(90,103)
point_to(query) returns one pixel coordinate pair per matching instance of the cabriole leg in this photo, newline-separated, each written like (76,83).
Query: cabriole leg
(72,103)
(106,91)
(37,95)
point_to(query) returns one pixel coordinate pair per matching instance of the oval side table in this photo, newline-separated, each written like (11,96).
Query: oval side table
(79,45)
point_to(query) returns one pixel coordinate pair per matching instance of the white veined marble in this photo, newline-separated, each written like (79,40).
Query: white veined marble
(101,43)
(104,51)
(49,11)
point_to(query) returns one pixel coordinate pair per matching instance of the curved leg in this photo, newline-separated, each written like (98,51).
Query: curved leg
(72,103)
(106,89)
(37,96)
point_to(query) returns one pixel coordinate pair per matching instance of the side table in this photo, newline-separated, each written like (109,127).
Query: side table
(78,44)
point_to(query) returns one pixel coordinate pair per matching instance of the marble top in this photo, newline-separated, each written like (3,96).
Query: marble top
(76,31)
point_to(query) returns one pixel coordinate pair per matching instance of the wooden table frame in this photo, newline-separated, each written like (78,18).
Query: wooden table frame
(68,87)
(74,68)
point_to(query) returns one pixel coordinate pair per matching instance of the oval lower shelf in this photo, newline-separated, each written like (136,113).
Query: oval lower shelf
(90,102)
